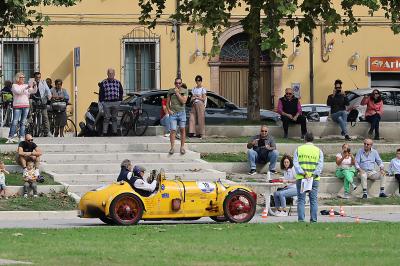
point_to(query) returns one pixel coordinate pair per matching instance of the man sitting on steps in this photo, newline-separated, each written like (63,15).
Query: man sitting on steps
(28,150)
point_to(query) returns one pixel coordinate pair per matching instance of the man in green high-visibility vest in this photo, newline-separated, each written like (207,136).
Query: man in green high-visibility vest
(308,162)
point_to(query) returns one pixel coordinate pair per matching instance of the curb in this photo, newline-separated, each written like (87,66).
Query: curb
(37,215)
(352,210)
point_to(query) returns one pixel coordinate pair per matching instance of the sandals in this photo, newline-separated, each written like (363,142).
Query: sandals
(183,151)
(171,151)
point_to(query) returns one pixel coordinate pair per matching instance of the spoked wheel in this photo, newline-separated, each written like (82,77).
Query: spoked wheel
(126,123)
(126,209)
(239,207)
(219,219)
(70,129)
(141,123)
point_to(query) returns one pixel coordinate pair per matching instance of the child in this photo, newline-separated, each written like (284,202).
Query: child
(346,170)
(3,179)
(30,176)
(394,167)
(289,176)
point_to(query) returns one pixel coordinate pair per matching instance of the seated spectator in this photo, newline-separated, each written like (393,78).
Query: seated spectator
(164,117)
(338,102)
(126,171)
(289,108)
(3,179)
(28,150)
(262,149)
(374,111)
(289,177)
(366,159)
(346,170)
(145,188)
(30,176)
(394,167)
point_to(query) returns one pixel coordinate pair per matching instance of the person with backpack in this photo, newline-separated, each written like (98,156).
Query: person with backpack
(338,102)
(374,111)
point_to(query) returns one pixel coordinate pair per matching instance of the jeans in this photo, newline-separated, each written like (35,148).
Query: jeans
(341,118)
(110,113)
(347,174)
(281,195)
(19,114)
(272,157)
(301,200)
(374,121)
(165,123)
(176,119)
(397,176)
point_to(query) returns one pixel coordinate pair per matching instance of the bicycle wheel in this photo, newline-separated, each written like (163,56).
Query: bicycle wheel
(70,129)
(126,123)
(141,123)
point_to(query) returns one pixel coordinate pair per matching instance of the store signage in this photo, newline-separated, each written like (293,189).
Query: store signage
(384,64)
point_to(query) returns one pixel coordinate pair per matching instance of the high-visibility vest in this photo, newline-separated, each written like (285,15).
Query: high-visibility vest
(308,157)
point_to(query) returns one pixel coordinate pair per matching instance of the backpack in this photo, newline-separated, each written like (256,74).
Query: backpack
(352,117)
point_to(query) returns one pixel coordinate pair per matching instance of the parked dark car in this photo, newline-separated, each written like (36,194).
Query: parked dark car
(218,110)
(391,102)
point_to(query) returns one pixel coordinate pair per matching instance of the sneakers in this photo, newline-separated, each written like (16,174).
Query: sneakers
(382,195)
(166,135)
(281,214)
(252,172)
(273,171)
(35,196)
(25,195)
(285,136)
(364,196)
(346,195)
(190,135)
(171,151)
(347,137)
(11,141)
(354,186)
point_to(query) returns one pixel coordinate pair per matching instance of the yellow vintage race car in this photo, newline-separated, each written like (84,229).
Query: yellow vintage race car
(120,204)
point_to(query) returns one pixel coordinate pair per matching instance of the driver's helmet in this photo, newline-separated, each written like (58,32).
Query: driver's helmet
(137,169)
(313,117)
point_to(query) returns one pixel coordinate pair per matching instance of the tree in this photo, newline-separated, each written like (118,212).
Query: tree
(23,12)
(265,32)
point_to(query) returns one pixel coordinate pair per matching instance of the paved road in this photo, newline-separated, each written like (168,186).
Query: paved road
(78,222)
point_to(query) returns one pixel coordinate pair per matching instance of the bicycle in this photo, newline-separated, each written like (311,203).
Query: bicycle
(136,119)
(69,128)
(35,118)
(6,108)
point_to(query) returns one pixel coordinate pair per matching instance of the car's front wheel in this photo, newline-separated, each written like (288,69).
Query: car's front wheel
(239,206)
(126,209)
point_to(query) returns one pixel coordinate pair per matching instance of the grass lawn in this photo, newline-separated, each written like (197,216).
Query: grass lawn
(59,201)
(371,201)
(15,179)
(3,140)
(8,157)
(246,139)
(207,244)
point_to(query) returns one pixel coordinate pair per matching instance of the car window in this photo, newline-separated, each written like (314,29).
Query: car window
(351,95)
(152,100)
(397,99)
(214,102)
(387,98)
(129,99)
(306,109)
(323,110)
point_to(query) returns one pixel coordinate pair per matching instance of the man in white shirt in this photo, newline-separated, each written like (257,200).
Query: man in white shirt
(140,183)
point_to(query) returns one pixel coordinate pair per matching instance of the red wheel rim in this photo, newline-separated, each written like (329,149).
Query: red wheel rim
(127,210)
(240,208)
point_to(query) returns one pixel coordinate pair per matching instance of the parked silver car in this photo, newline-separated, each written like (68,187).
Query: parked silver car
(391,102)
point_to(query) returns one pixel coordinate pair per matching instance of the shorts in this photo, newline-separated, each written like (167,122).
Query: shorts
(176,119)
(3,186)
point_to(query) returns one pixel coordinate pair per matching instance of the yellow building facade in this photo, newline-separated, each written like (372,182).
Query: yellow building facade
(108,35)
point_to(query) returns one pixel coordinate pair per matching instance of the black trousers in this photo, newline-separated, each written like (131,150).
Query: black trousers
(374,121)
(300,120)
(397,176)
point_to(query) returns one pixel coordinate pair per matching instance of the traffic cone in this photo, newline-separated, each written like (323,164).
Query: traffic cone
(264,214)
(341,212)
(331,213)
(357,220)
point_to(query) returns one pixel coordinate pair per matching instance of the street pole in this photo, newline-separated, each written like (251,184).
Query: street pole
(178,46)
(311,69)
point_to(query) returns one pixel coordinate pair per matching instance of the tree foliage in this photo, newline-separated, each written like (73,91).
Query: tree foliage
(24,12)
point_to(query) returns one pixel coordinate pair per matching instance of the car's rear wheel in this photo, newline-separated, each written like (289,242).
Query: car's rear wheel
(239,207)
(219,219)
(126,209)
(107,220)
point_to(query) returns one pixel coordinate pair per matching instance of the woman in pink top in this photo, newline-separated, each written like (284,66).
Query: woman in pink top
(374,111)
(21,93)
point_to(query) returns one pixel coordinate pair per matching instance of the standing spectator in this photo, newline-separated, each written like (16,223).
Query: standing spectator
(28,151)
(110,95)
(59,101)
(3,179)
(346,170)
(21,92)
(41,96)
(374,111)
(338,102)
(289,108)
(7,98)
(289,177)
(394,167)
(308,163)
(164,117)
(197,114)
(262,149)
(365,163)
(30,176)
(49,83)
(176,102)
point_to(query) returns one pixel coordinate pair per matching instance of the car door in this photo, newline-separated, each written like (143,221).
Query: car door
(217,112)
(397,104)
(389,108)
(151,103)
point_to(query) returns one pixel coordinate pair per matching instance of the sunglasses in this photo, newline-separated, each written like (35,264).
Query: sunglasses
(376,93)
(29,140)
(264,130)
(178,83)
(21,77)
(289,93)
(367,144)
(198,80)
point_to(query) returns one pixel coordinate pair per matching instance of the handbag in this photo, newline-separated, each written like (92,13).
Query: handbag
(58,106)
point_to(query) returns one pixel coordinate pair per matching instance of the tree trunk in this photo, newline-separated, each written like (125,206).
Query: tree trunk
(252,28)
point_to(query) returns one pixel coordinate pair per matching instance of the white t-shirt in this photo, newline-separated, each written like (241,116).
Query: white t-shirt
(290,174)
(346,163)
(2,178)
(199,92)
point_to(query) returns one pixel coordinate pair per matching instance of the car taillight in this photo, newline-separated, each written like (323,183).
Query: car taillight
(254,195)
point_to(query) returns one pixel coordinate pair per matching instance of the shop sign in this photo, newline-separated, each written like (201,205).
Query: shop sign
(384,64)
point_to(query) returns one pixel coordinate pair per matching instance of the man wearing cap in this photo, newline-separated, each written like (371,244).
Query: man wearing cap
(141,184)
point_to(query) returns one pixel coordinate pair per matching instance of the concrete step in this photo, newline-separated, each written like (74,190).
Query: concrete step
(91,168)
(90,179)
(115,157)
(18,190)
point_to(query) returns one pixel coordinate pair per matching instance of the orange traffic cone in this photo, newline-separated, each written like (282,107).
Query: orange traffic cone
(341,212)
(331,213)
(264,214)
(357,220)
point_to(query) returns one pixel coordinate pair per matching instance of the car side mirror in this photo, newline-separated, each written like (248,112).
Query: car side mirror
(229,105)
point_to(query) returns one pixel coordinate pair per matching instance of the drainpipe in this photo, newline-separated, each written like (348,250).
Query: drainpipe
(311,69)
(178,46)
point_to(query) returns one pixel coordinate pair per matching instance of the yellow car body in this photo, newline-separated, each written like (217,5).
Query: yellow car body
(119,203)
